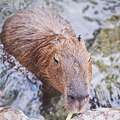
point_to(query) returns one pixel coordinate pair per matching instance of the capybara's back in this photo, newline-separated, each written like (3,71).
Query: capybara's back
(46,45)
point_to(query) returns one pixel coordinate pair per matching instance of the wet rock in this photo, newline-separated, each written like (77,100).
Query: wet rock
(100,114)
(7,113)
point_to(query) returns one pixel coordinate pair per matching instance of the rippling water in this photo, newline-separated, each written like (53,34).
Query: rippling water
(21,89)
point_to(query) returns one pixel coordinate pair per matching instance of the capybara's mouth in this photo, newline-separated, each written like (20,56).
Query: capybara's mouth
(77,107)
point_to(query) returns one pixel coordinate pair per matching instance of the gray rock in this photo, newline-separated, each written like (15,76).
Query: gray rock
(8,113)
(100,114)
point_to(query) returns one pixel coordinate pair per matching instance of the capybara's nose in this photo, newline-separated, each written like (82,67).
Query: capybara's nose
(81,99)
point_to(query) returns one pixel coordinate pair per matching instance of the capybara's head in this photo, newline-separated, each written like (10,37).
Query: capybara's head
(70,70)
(45,43)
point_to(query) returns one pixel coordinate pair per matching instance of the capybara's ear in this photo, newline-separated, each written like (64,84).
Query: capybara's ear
(80,39)
(58,41)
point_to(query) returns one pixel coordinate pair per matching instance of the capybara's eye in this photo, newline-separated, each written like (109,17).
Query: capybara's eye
(89,59)
(87,97)
(56,60)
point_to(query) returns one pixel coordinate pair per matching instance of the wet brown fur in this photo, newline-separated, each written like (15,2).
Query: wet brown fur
(37,38)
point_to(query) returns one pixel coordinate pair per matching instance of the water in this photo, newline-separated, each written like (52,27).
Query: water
(21,89)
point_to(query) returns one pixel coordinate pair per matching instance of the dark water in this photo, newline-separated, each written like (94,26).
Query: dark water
(22,90)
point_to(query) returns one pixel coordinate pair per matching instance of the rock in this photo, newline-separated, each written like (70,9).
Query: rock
(8,113)
(100,114)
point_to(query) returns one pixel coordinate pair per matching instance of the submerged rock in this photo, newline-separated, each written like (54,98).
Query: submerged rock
(7,113)
(100,114)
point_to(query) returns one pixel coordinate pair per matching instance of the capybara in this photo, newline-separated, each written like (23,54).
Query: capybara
(47,46)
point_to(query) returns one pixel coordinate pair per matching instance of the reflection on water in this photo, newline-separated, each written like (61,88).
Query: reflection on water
(22,90)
